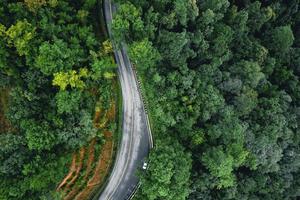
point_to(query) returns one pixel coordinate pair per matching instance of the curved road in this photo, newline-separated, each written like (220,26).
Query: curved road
(136,137)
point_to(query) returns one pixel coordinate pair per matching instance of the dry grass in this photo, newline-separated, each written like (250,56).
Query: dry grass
(111,115)
(97,117)
(91,158)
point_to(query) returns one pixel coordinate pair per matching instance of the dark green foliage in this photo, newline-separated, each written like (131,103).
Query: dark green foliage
(40,40)
(281,39)
(227,88)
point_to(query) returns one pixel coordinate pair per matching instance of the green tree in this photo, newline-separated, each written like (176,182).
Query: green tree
(56,57)
(249,72)
(220,166)
(39,135)
(103,67)
(68,102)
(258,15)
(168,173)
(127,23)
(70,78)
(20,35)
(143,54)
(282,38)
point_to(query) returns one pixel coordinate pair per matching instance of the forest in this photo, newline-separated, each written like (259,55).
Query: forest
(56,73)
(222,84)
(220,79)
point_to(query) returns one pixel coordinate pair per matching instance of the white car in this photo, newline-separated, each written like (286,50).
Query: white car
(145,165)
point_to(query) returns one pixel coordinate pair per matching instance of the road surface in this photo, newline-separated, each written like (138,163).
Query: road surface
(136,137)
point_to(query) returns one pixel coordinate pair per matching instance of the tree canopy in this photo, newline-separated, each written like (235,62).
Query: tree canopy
(225,87)
(50,84)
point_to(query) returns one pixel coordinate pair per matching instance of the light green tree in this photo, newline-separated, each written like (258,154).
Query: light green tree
(70,78)
(19,36)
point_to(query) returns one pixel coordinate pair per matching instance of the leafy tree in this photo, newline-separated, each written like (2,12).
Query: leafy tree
(89,4)
(55,57)
(103,67)
(249,72)
(128,20)
(70,78)
(282,39)
(174,47)
(39,136)
(226,87)
(76,136)
(107,47)
(143,54)
(216,5)
(258,15)
(246,101)
(212,101)
(185,10)
(168,173)
(19,36)
(67,102)
(220,165)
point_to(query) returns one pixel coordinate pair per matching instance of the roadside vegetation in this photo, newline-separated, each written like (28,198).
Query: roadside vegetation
(222,84)
(91,164)
(58,99)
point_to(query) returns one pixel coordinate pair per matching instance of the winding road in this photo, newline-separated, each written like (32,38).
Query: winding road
(136,139)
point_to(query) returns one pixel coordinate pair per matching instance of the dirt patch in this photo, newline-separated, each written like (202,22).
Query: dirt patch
(104,161)
(111,115)
(5,126)
(101,169)
(90,166)
(78,168)
(91,158)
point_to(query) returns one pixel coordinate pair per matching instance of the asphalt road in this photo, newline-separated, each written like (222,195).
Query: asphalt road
(136,137)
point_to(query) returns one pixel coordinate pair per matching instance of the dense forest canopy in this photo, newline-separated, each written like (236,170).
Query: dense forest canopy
(53,68)
(222,82)
(221,78)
